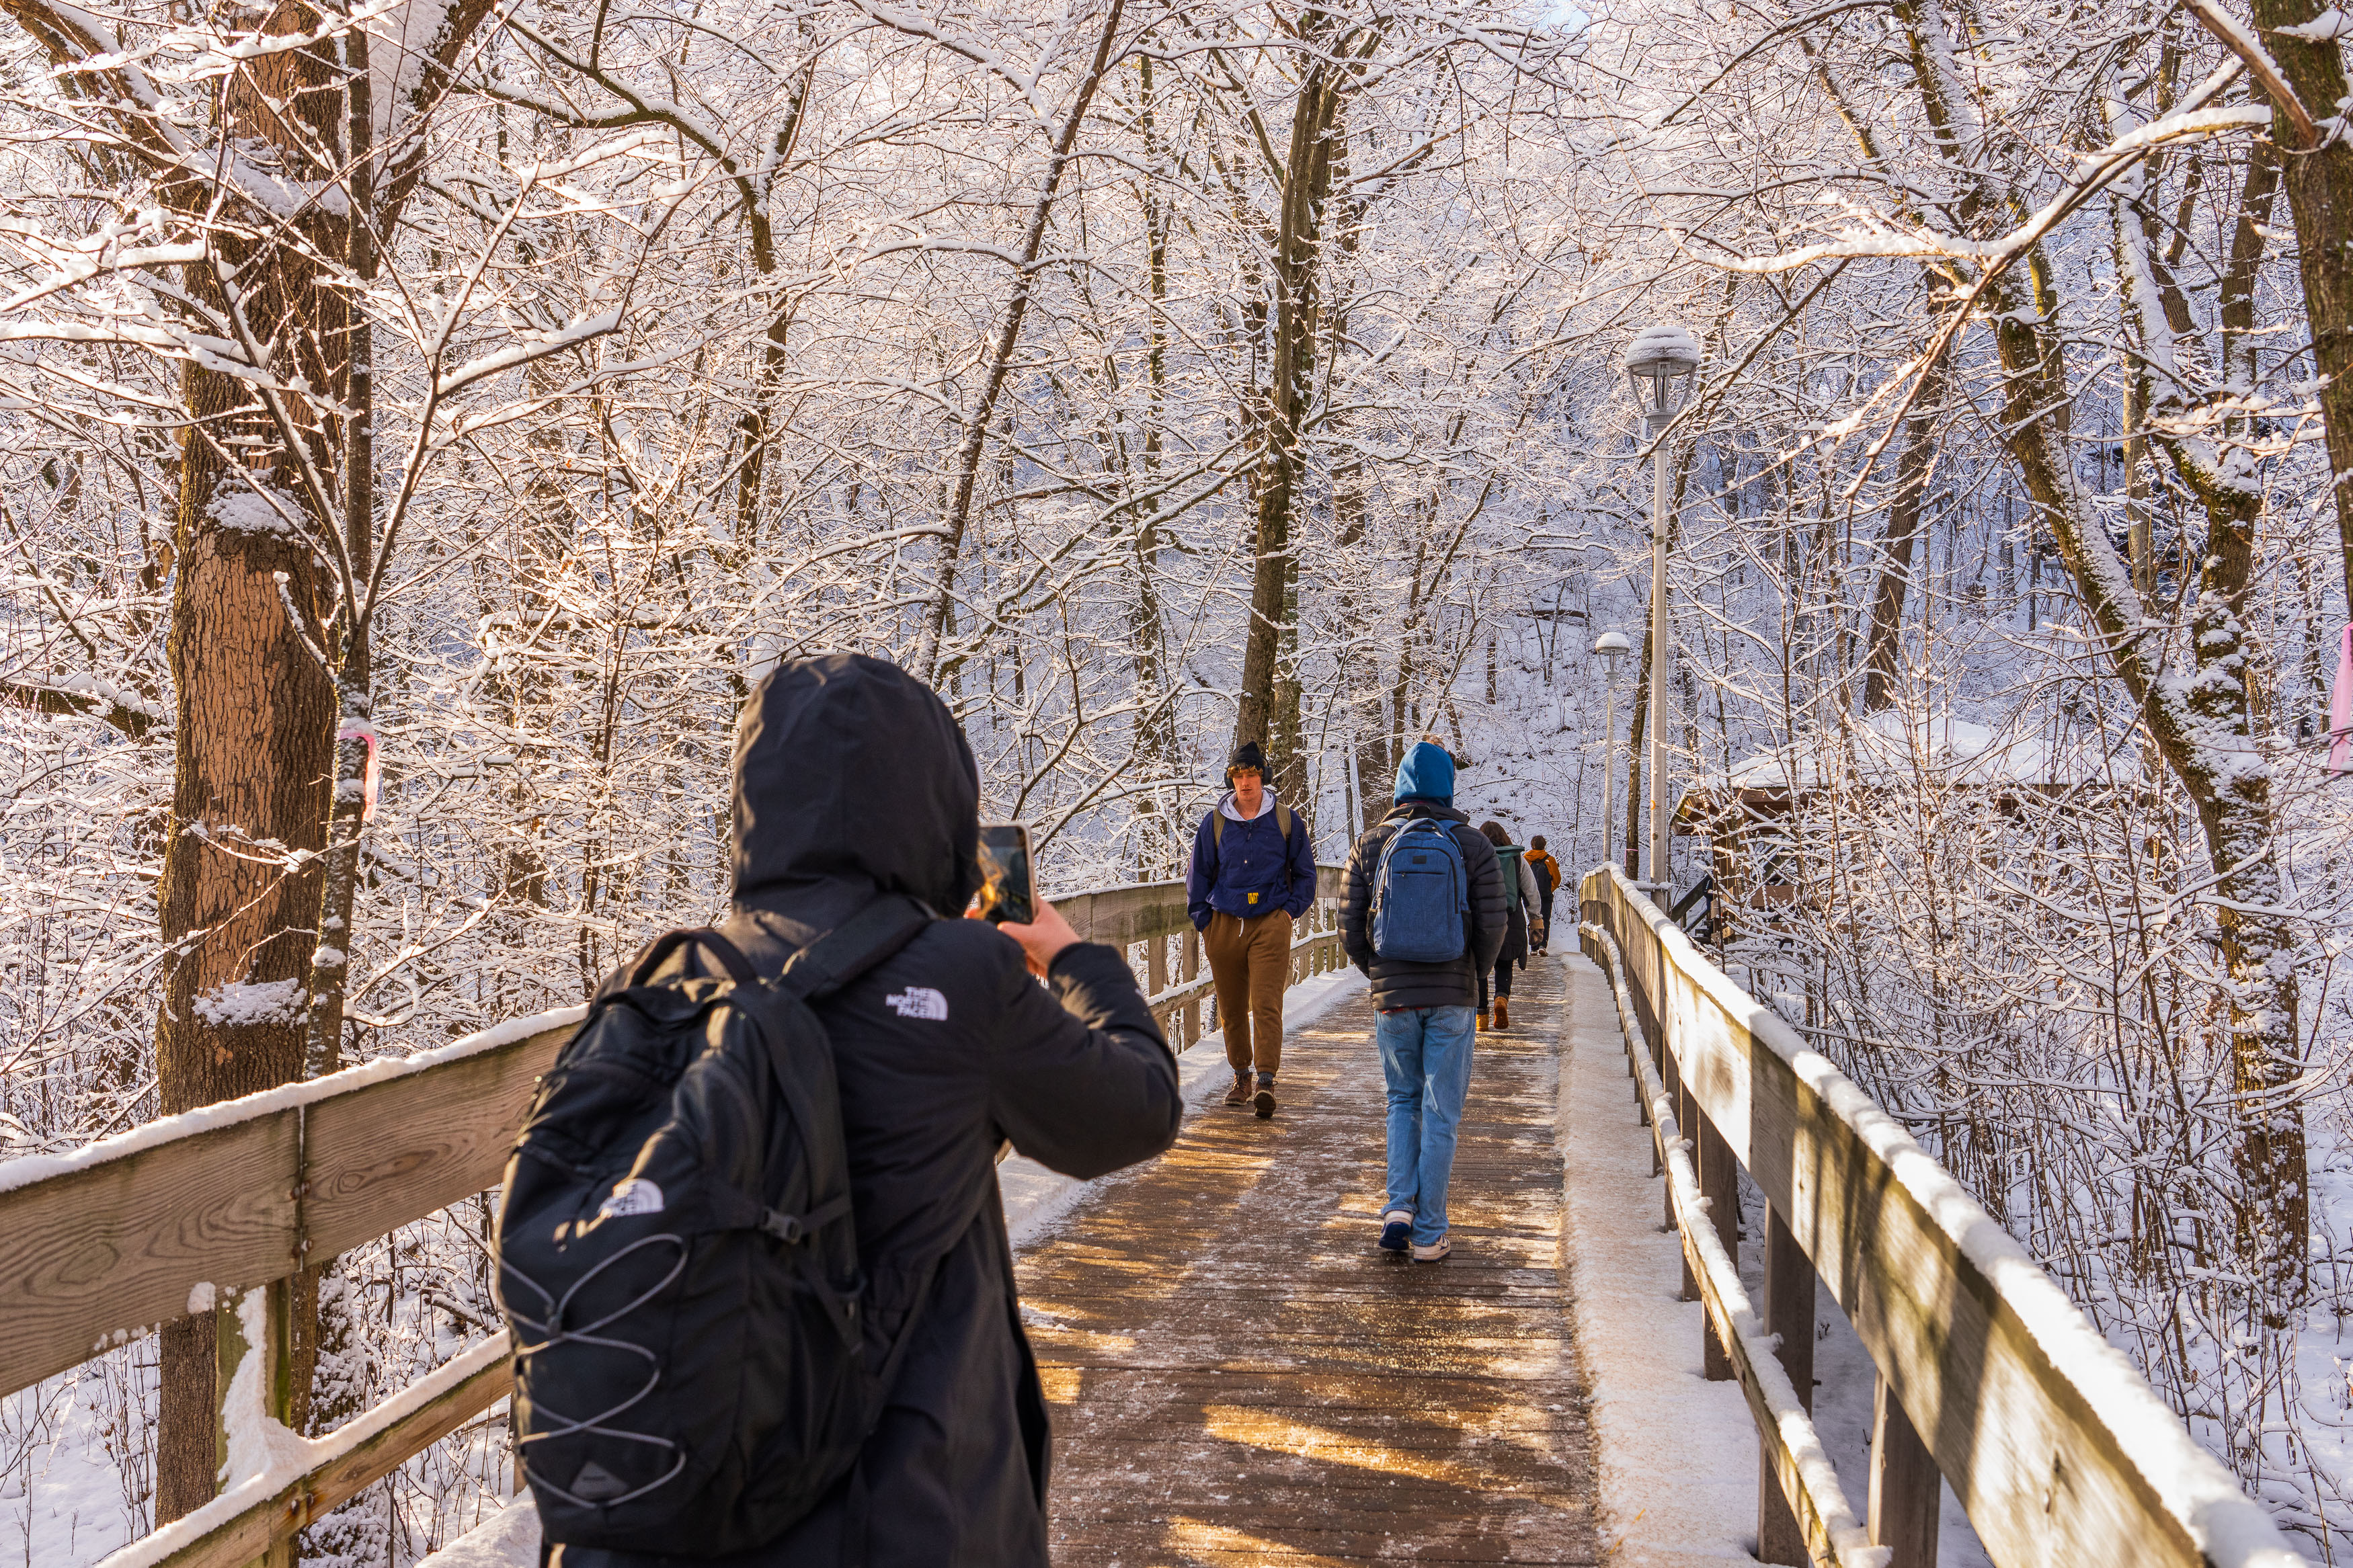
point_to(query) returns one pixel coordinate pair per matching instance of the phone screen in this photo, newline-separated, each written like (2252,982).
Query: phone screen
(1008,888)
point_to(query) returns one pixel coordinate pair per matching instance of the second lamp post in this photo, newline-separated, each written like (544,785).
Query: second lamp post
(1661,361)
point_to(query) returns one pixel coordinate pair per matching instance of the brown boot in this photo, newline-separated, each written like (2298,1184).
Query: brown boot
(1502,1012)
(1240,1092)
(1483,1018)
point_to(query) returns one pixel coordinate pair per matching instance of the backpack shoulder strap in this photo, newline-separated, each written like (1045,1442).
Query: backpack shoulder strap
(853,947)
(1217,826)
(739,968)
(1282,820)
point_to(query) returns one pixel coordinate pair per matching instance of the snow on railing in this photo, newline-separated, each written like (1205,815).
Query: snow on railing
(1990,1376)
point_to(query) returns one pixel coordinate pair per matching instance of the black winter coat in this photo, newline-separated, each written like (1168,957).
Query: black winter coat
(1398,984)
(853,779)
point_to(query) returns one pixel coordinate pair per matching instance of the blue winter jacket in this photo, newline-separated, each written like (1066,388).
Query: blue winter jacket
(1254,871)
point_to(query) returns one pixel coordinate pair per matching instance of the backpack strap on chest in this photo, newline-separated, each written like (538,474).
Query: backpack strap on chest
(1282,820)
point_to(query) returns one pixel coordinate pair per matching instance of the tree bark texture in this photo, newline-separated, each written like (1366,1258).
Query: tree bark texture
(1268,711)
(2318,180)
(1883,648)
(254,710)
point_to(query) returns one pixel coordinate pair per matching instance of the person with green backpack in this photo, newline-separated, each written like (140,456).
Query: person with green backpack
(1519,902)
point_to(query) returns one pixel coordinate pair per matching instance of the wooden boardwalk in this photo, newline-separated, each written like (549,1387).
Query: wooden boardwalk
(1239,1376)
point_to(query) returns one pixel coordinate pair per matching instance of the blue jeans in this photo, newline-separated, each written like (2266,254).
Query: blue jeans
(1426,1056)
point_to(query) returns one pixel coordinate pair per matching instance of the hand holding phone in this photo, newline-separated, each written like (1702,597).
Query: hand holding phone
(1008,896)
(1009,882)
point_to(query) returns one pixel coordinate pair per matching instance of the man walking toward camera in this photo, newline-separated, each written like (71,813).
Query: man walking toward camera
(1253,873)
(1424,918)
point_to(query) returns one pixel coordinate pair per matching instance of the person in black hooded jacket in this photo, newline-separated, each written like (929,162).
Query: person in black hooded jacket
(852,780)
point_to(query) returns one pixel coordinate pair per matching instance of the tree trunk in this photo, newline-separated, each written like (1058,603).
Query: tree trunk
(1883,647)
(2320,183)
(930,662)
(2203,729)
(254,744)
(1268,711)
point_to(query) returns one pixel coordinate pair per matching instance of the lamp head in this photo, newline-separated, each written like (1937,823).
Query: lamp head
(1661,361)
(1612,647)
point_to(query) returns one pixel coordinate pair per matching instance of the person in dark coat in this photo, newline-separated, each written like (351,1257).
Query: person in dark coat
(1519,908)
(1423,1011)
(852,780)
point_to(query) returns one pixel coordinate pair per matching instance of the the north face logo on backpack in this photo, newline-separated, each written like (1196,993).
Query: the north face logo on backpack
(636,1195)
(920,1002)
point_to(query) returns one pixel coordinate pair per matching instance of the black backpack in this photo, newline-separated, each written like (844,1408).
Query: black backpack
(677,1262)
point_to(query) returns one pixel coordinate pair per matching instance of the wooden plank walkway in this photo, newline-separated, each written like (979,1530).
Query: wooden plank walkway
(1241,1377)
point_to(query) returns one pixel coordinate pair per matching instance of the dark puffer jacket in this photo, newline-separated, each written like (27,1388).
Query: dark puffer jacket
(1398,984)
(852,778)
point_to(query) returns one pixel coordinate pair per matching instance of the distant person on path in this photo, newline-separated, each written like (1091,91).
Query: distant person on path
(1547,870)
(1423,918)
(1519,907)
(854,783)
(1253,873)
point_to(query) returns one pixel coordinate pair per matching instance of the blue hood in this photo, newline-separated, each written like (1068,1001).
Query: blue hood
(1427,773)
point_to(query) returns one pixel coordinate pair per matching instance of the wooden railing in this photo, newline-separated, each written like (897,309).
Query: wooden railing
(221,1209)
(1988,1376)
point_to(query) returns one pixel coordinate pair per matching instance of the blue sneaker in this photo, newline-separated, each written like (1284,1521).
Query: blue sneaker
(1396,1227)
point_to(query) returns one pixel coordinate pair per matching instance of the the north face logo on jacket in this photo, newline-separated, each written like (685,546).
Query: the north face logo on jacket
(920,1002)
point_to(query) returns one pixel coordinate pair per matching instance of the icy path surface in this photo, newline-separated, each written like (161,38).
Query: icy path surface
(1241,1377)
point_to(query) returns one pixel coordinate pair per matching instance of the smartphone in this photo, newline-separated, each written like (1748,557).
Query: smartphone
(1008,880)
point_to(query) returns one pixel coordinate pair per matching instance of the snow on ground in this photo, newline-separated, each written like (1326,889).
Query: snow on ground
(61,1497)
(1035,1199)
(1677,1454)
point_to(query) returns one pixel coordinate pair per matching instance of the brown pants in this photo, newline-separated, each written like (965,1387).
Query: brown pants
(1250,960)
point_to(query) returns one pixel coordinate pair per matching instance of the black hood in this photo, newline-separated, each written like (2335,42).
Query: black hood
(851,777)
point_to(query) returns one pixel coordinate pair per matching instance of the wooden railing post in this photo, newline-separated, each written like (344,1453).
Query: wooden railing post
(1189,970)
(1907,1492)
(275,1397)
(1719,1183)
(1790,1313)
(1681,1102)
(1155,966)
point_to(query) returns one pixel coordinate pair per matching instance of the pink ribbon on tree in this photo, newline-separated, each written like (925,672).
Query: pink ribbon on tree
(365,732)
(2340,706)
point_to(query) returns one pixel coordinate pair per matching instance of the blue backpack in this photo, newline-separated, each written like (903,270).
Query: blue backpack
(1421,896)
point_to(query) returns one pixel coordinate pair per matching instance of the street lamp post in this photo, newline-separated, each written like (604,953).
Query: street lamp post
(1612,647)
(1661,361)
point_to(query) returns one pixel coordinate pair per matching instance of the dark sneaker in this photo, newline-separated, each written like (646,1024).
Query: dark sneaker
(1240,1092)
(1264,1102)
(1396,1226)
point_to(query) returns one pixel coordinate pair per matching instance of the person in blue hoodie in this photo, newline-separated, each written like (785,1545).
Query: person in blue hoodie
(1253,873)
(1423,1025)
